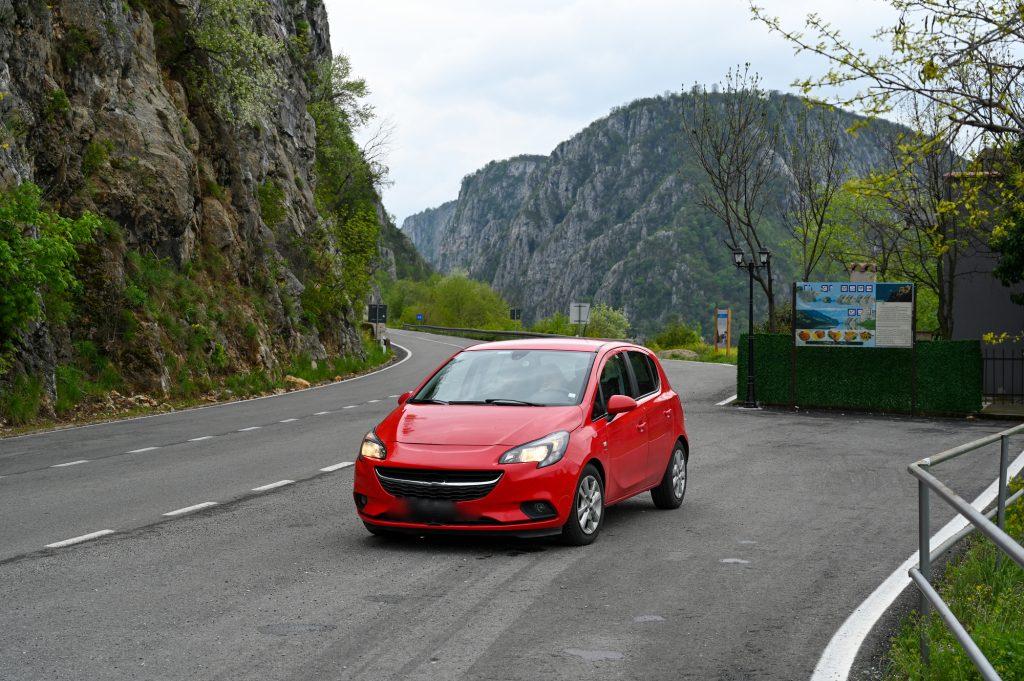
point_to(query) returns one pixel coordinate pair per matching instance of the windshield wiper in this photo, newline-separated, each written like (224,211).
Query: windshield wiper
(427,401)
(505,400)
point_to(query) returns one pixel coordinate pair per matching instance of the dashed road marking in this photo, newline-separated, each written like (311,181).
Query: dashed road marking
(337,466)
(727,400)
(190,509)
(393,396)
(321,413)
(351,406)
(204,437)
(139,451)
(69,463)
(242,430)
(373,401)
(735,561)
(279,483)
(79,540)
(287,420)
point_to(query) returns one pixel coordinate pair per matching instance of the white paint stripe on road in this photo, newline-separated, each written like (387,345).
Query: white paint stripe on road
(235,403)
(69,463)
(841,651)
(727,400)
(199,439)
(322,413)
(337,466)
(430,340)
(242,430)
(279,483)
(139,451)
(79,540)
(373,401)
(189,509)
(351,406)
(287,420)
(393,396)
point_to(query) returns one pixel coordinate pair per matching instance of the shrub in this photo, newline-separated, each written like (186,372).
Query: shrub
(21,403)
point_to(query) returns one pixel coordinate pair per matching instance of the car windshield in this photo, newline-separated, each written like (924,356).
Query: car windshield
(528,378)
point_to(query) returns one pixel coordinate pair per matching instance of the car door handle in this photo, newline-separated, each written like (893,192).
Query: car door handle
(640,426)
(668,413)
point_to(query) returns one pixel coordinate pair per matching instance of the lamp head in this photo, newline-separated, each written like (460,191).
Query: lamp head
(764,256)
(737,257)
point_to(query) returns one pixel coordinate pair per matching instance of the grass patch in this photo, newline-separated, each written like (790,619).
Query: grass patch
(22,402)
(987,598)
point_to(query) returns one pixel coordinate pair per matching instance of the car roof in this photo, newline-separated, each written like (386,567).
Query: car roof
(570,344)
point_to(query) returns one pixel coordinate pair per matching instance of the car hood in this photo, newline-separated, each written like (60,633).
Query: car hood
(475,425)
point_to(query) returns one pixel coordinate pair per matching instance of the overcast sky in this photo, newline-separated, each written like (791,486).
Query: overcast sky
(465,82)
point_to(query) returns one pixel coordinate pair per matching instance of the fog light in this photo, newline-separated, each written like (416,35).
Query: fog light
(360,500)
(538,510)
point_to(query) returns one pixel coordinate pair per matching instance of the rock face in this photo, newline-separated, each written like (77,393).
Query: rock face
(93,115)
(612,216)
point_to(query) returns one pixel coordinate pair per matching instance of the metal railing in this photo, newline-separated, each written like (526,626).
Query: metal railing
(485,333)
(1003,374)
(921,575)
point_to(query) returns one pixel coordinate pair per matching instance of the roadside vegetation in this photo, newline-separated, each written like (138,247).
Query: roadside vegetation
(987,597)
(456,301)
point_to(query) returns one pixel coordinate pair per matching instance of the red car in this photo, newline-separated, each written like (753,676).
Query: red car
(528,437)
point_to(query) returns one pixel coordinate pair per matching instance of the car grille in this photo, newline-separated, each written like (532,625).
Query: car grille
(444,485)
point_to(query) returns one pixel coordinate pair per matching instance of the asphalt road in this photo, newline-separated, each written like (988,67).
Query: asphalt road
(790,521)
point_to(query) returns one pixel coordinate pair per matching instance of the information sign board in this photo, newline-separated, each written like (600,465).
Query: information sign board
(867,315)
(579,313)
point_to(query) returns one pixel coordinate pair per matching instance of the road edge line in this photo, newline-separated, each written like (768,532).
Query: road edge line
(839,655)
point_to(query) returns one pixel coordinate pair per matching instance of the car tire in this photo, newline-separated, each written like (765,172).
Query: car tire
(582,527)
(670,491)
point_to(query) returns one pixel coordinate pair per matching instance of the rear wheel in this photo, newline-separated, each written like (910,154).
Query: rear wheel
(587,513)
(669,493)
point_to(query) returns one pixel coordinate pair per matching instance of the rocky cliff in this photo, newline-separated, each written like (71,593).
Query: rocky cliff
(208,249)
(613,215)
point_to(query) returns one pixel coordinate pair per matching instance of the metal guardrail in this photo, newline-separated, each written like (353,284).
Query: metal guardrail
(496,334)
(921,575)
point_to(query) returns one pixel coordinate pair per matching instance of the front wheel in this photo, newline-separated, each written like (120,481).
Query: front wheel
(587,514)
(669,493)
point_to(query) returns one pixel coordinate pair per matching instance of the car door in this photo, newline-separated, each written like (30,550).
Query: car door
(659,409)
(624,437)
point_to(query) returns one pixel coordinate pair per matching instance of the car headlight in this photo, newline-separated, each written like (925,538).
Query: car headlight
(372,447)
(545,451)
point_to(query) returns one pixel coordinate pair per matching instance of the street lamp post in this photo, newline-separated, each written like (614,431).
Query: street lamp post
(763,260)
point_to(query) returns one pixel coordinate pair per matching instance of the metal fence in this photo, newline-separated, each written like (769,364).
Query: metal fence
(921,575)
(485,334)
(1003,374)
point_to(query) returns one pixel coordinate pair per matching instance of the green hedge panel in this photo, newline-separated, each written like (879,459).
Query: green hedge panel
(949,378)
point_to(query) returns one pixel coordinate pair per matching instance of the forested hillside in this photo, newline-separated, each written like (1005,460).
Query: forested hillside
(613,215)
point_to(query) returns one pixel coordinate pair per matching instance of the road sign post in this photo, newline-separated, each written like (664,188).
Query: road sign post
(579,314)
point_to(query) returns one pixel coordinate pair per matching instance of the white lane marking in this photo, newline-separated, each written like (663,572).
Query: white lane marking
(189,509)
(78,540)
(727,400)
(287,420)
(430,340)
(393,396)
(351,406)
(735,561)
(242,430)
(199,439)
(405,359)
(321,413)
(279,483)
(139,451)
(373,401)
(337,466)
(839,654)
(69,463)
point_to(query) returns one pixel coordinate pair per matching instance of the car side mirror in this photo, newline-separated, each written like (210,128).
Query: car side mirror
(404,397)
(619,404)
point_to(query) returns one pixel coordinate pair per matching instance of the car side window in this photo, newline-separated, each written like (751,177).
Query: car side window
(644,372)
(614,381)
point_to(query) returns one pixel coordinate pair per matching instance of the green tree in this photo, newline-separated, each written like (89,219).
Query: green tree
(607,322)
(236,72)
(37,251)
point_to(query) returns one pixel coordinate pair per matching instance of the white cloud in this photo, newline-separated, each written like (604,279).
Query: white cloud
(468,81)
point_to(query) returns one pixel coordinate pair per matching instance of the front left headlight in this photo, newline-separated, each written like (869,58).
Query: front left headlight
(372,447)
(544,452)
